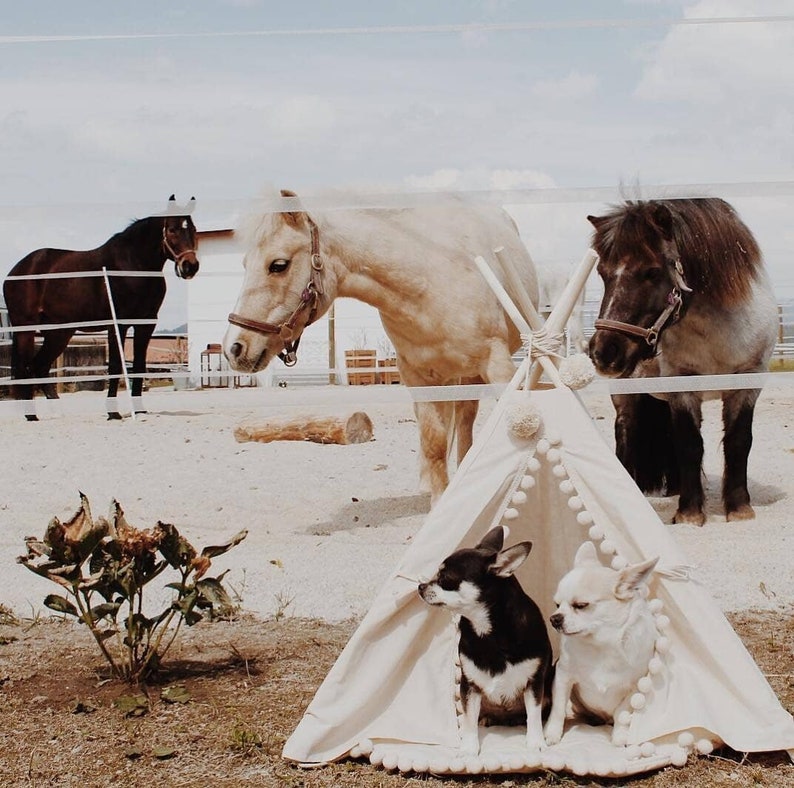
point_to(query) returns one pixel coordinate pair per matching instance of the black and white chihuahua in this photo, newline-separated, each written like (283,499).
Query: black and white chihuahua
(505,653)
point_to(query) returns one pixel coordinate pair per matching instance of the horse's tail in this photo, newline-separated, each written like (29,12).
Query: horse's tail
(643,443)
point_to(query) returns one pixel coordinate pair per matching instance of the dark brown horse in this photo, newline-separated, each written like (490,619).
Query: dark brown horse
(685,293)
(71,303)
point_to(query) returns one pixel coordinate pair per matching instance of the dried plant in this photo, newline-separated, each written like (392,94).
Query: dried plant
(105,565)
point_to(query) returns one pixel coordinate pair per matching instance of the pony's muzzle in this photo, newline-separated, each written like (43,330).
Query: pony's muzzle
(187,268)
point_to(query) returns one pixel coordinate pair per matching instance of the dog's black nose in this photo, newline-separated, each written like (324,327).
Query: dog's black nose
(556,620)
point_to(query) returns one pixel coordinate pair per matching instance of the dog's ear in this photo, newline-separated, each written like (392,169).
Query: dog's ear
(493,541)
(633,577)
(506,562)
(586,554)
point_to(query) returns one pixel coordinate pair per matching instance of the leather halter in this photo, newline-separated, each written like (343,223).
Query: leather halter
(309,298)
(177,258)
(672,310)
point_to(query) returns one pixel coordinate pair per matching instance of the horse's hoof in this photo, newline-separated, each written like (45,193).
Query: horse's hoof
(114,416)
(689,518)
(743,512)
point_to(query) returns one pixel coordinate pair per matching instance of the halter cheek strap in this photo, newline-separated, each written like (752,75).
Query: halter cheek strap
(308,301)
(672,310)
(177,258)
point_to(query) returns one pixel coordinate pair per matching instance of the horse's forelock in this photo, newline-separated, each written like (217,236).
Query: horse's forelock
(719,255)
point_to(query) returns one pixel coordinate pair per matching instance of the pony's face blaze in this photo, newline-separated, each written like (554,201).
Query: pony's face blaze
(277,266)
(179,236)
(638,281)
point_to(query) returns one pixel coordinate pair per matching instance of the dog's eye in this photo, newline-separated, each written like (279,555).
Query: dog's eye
(580,605)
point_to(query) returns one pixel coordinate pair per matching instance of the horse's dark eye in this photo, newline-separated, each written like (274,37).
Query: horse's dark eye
(278,266)
(653,275)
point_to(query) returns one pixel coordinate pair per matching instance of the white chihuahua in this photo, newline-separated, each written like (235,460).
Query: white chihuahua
(607,639)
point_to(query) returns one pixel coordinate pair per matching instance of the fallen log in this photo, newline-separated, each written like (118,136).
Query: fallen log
(356,428)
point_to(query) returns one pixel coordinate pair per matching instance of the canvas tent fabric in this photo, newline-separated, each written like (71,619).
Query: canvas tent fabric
(391,696)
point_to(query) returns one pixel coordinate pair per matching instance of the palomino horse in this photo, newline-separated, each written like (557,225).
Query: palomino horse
(144,246)
(415,266)
(685,293)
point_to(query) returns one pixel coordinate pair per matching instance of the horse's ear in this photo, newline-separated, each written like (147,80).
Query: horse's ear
(172,198)
(663,219)
(191,206)
(291,217)
(596,221)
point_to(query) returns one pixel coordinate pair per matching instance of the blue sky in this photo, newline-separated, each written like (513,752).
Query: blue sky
(108,108)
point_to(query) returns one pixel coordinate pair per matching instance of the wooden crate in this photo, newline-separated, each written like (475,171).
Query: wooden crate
(388,372)
(365,360)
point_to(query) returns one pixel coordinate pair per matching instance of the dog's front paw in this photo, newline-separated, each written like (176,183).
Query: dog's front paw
(552,733)
(536,743)
(470,745)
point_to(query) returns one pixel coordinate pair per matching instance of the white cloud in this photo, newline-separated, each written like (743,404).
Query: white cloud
(572,87)
(714,64)
(476,178)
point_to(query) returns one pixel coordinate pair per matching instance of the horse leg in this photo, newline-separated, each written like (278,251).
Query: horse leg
(643,425)
(55,342)
(686,421)
(465,414)
(23,349)
(140,346)
(114,369)
(737,420)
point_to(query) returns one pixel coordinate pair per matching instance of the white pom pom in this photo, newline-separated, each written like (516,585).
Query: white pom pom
(575,503)
(618,563)
(533,465)
(662,623)
(553,455)
(527,482)
(510,514)
(566,487)
(647,749)
(704,746)
(577,371)
(390,761)
(523,419)
(607,547)
(404,763)
(655,666)
(376,758)
(554,439)
(686,739)
(473,765)
(584,518)
(543,446)
(624,718)
(596,533)
(633,752)
(518,498)
(355,752)
(645,684)
(637,701)
(559,471)
(679,757)
(420,765)
(366,746)
(662,645)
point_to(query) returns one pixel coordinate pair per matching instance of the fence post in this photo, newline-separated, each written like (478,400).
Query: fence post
(119,342)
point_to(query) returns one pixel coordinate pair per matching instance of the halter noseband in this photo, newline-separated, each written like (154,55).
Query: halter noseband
(177,258)
(672,310)
(309,298)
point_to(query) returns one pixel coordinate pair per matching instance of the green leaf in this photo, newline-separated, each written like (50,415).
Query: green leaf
(132,705)
(176,693)
(60,604)
(213,550)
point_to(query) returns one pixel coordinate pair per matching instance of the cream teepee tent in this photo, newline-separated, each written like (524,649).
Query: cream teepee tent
(392,696)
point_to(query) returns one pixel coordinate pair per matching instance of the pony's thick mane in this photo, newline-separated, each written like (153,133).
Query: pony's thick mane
(719,254)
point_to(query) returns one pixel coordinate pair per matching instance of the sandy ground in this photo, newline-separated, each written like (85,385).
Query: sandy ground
(328,523)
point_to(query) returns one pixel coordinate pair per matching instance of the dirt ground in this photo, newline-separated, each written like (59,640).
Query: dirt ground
(247,685)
